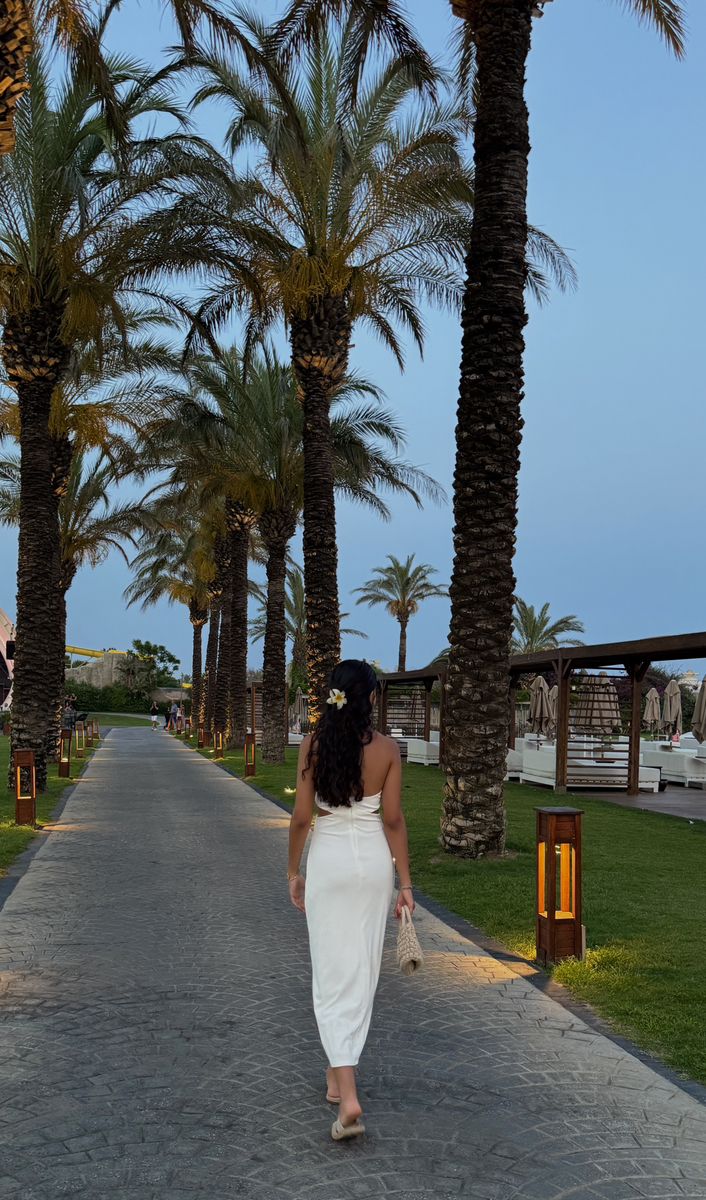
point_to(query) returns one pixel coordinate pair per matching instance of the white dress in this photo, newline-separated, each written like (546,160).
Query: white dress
(349,883)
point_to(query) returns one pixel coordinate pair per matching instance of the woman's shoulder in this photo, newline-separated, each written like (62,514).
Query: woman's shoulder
(381,744)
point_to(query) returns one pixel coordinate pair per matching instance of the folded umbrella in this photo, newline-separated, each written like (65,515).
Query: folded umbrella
(651,714)
(698,724)
(539,706)
(671,707)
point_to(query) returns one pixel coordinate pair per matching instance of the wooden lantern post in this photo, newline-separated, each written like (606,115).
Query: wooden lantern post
(89,735)
(96,730)
(200,734)
(560,933)
(187,727)
(25,793)
(65,754)
(80,739)
(250,755)
(218,742)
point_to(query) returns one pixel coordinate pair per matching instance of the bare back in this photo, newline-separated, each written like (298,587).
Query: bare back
(381,774)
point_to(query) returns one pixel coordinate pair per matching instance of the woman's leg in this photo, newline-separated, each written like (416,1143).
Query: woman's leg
(350,1109)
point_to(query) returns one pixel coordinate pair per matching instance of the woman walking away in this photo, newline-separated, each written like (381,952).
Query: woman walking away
(154,715)
(348,773)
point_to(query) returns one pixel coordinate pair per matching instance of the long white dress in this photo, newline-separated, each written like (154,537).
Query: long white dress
(349,883)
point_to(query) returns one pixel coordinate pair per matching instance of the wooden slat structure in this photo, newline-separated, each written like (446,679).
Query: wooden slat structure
(634,657)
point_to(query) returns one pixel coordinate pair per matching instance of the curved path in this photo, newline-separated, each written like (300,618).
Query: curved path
(156,1036)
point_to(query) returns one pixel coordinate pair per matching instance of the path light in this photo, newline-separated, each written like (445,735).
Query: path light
(89,734)
(65,754)
(25,795)
(187,727)
(80,739)
(560,933)
(96,730)
(250,755)
(218,742)
(200,736)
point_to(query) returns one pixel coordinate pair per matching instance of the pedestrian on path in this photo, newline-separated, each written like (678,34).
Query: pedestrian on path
(347,772)
(154,715)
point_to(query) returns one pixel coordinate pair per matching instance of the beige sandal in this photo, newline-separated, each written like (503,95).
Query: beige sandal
(339,1131)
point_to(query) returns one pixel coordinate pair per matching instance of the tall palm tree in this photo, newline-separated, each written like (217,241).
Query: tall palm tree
(242,439)
(401,587)
(534,631)
(294,621)
(76,250)
(351,212)
(177,565)
(497,36)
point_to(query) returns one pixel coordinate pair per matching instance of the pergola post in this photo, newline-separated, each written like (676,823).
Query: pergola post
(562,725)
(427,709)
(636,672)
(382,719)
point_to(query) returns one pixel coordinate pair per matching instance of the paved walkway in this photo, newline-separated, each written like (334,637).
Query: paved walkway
(157,1040)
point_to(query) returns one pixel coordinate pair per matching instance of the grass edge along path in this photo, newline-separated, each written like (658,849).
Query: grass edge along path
(15,838)
(644,903)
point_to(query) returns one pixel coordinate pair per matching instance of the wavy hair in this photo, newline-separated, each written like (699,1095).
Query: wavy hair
(336,750)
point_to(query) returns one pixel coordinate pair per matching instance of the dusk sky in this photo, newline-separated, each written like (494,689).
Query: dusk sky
(612,485)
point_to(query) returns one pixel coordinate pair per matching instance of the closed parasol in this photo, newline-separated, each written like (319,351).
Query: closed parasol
(650,716)
(553,707)
(539,706)
(671,708)
(698,724)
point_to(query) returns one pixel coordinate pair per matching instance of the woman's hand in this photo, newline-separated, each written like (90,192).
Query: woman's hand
(405,899)
(296,892)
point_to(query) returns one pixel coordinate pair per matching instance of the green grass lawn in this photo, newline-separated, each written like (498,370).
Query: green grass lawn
(644,904)
(119,720)
(14,838)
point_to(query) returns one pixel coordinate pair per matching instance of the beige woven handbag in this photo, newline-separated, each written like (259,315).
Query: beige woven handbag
(410,957)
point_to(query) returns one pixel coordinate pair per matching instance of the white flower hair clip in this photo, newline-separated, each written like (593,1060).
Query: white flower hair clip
(337,697)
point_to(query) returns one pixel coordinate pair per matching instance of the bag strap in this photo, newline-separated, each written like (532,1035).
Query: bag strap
(405,915)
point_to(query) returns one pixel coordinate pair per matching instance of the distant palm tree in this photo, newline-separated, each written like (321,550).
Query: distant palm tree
(177,565)
(535,631)
(401,587)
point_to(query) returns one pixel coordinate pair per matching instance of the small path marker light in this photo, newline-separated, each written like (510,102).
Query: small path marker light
(250,755)
(80,739)
(89,734)
(218,742)
(560,933)
(25,788)
(65,754)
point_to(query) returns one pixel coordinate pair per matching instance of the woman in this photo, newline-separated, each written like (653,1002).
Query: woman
(154,715)
(347,773)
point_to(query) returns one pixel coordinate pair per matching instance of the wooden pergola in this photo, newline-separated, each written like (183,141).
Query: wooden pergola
(634,657)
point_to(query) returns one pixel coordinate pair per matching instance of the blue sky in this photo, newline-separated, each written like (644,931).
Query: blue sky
(612,492)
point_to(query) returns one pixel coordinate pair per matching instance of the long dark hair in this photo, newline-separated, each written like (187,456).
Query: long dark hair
(336,751)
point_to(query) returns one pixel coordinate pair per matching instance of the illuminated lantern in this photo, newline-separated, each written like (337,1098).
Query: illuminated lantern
(187,727)
(218,742)
(25,789)
(560,933)
(80,739)
(250,755)
(200,736)
(65,754)
(89,734)
(96,730)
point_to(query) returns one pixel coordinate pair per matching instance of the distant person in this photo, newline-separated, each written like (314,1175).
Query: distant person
(154,714)
(167,717)
(175,714)
(180,718)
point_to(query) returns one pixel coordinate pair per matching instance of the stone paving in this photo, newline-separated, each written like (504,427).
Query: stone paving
(157,1040)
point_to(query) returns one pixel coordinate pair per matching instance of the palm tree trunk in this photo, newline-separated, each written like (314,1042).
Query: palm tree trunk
(223,666)
(488,436)
(34,358)
(61,450)
(208,694)
(402,655)
(198,617)
(320,342)
(15,48)
(240,524)
(277,530)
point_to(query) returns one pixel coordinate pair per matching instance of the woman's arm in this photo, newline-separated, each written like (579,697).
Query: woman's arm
(300,825)
(395,828)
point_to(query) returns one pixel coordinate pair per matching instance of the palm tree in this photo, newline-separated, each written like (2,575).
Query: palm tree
(534,631)
(177,565)
(294,621)
(242,439)
(401,587)
(91,524)
(497,36)
(351,212)
(77,248)
(35,23)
